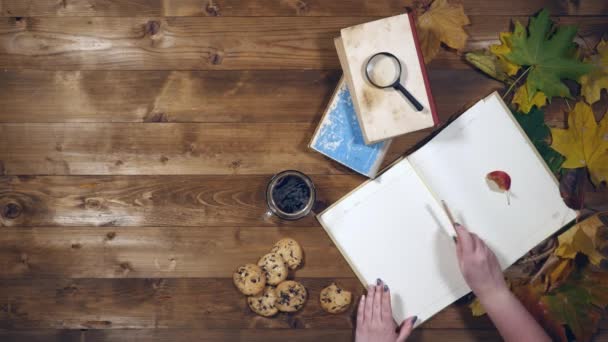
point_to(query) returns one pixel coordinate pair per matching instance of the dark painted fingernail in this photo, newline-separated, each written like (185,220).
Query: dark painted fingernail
(378,281)
(455,239)
(414,319)
(385,288)
(456,224)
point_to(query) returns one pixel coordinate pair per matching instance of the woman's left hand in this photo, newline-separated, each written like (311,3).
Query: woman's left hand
(375,321)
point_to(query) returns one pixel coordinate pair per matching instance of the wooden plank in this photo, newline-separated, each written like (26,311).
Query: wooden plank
(190,43)
(169,252)
(151,303)
(202,303)
(249,335)
(151,201)
(36,96)
(182,335)
(181,303)
(266,8)
(166,148)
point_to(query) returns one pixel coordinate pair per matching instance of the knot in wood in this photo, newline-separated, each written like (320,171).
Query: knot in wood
(11,211)
(216,58)
(302,8)
(212,9)
(152,27)
(92,203)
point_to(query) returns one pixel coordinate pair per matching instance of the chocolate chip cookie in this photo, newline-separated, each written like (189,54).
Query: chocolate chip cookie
(264,304)
(290,250)
(335,299)
(291,296)
(274,267)
(249,279)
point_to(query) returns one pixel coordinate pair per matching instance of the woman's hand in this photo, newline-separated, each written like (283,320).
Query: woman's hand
(478,264)
(375,321)
(482,272)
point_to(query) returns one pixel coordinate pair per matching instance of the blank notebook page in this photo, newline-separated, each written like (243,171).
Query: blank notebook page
(454,164)
(392,228)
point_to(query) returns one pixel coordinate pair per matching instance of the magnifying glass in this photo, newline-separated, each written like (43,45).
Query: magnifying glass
(383,70)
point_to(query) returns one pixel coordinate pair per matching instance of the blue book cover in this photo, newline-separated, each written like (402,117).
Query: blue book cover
(339,136)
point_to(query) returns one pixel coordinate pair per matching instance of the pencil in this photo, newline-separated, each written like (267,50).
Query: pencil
(449,214)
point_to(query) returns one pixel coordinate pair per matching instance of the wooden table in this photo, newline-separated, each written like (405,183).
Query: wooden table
(136,139)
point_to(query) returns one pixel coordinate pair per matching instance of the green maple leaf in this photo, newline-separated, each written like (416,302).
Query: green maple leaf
(534,125)
(549,54)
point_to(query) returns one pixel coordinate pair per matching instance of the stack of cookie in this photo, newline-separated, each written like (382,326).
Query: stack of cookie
(269,290)
(265,283)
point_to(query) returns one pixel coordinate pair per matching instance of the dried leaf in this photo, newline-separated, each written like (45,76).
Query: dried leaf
(442,23)
(531,297)
(587,237)
(571,187)
(584,143)
(535,128)
(501,178)
(500,181)
(560,273)
(488,63)
(593,82)
(550,54)
(580,302)
(525,103)
(503,49)
(476,308)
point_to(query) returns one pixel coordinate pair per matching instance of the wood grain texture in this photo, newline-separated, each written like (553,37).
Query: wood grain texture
(265,8)
(167,148)
(202,303)
(277,335)
(153,252)
(190,43)
(185,303)
(176,201)
(198,96)
(205,303)
(225,101)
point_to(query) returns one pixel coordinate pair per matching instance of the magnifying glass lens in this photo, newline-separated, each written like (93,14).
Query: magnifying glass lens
(383,71)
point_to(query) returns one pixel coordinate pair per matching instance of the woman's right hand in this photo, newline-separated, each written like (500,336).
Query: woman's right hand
(478,264)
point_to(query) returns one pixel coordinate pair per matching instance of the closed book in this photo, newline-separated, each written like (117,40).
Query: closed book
(386,113)
(339,136)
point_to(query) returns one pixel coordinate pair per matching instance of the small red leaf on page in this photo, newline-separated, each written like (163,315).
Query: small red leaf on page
(500,181)
(501,178)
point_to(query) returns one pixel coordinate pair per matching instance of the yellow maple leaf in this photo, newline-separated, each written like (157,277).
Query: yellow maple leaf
(523,101)
(593,82)
(501,50)
(584,143)
(442,23)
(586,237)
(476,308)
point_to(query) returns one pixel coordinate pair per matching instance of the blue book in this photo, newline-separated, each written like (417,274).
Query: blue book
(339,136)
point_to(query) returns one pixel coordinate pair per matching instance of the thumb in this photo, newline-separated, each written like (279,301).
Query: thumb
(406,329)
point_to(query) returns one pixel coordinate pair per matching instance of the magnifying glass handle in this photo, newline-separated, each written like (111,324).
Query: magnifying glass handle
(409,97)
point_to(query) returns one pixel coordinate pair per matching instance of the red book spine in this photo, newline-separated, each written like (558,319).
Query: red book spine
(427,85)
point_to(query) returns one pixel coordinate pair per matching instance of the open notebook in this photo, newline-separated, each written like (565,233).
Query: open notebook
(394,227)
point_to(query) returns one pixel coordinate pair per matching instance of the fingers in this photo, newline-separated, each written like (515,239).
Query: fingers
(474,242)
(369,302)
(377,311)
(465,240)
(387,310)
(406,329)
(361,311)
